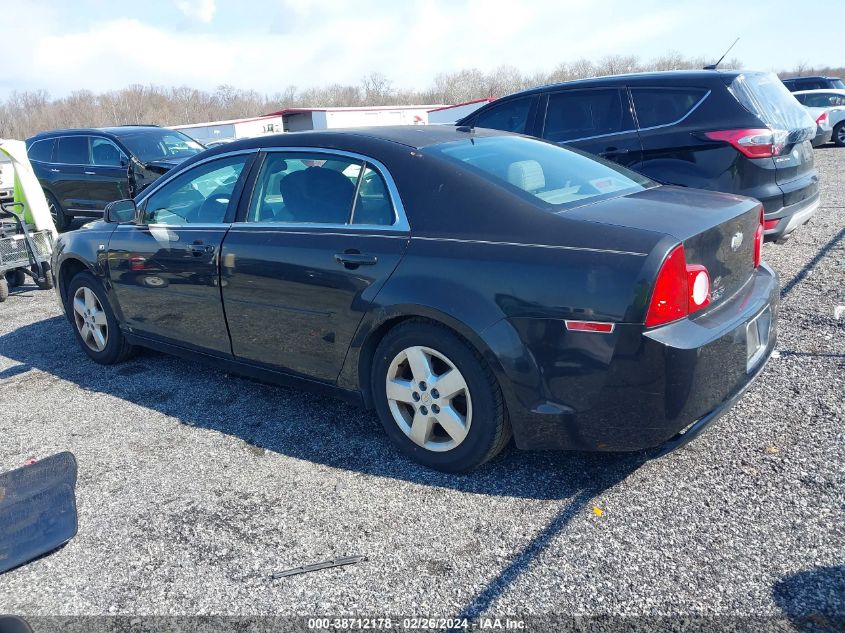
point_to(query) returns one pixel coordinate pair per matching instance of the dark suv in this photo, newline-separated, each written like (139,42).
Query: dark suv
(813,83)
(732,131)
(82,170)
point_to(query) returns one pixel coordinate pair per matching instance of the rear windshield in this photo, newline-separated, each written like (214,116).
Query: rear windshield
(765,95)
(151,145)
(544,172)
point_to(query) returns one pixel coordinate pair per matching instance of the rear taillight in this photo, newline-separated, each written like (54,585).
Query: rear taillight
(758,240)
(822,120)
(754,143)
(679,289)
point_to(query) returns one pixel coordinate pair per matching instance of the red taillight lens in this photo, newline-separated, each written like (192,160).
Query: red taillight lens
(822,120)
(770,224)
(758,240)
(754,143)
(679,289)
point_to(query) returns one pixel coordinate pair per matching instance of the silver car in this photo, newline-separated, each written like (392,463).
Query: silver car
(830,100)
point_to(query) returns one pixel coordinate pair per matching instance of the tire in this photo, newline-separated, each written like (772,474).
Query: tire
(4,289)
(839,134)
(411,417)
(47,284)
(61,219)
(110,347)
(16,278)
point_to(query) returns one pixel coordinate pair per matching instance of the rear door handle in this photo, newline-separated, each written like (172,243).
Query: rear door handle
(53,169)
(353,260)
(90,173)
(201,249)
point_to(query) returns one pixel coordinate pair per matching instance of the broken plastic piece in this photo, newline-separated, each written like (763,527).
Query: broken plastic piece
(335,562)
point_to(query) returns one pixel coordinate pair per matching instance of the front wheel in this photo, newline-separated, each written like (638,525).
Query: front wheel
(437,399)
(94,322)
(61,219)
(839,134)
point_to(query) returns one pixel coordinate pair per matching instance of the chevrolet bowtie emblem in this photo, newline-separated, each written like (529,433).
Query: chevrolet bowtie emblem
(736,241)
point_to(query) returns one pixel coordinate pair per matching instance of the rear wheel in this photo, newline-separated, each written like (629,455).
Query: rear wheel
(437,399)
(61,219)
(94,322)
(47,284)
(839,134)
(16,278)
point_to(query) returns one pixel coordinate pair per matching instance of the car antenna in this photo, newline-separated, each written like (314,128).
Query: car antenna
(713,66)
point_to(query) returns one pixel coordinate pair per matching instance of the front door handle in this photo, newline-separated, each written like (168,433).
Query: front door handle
(54,170)
(614,151)
(201,249)
(353,260)
(90,173)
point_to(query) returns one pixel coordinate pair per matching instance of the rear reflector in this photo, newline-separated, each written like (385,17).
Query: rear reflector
(822,120)
(698,280)
(589,326)
(753,142)
(770,224)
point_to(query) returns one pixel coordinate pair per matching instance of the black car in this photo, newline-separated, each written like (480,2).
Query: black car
(466,284)
(82,170)
(738,132)
(813,83)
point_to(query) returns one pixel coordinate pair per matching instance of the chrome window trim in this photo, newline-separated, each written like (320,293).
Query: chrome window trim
(400,223)
(662,125)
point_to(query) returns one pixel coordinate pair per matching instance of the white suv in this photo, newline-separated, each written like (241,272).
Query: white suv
(834,102)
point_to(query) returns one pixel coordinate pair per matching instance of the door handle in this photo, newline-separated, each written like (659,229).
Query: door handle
(90,173)
(615,151)
(353,260)
(55,170)
(201,249)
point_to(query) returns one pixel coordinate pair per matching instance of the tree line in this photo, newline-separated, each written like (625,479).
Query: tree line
(25,113)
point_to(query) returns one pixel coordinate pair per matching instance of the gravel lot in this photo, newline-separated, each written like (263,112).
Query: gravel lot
(194,486)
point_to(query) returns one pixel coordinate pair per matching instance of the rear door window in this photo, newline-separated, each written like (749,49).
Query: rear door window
(511,116)
(822,100)
(42,150)
(581,114)
(73,150)
(664,106)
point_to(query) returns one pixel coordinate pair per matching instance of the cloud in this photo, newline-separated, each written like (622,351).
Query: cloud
(201,10)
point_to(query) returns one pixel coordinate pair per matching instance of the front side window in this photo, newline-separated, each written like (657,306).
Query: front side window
(42,150)
(73,150)
(153,144)
(579,114)
(201,195)
(551,175)
(317,188)
(104,153)
(511,116)
(664,106)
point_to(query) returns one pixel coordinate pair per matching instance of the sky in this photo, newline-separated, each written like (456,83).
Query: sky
(267,45)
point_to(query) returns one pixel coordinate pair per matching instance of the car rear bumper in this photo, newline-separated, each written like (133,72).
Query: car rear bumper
(635,389)
(790,218)
(823,137)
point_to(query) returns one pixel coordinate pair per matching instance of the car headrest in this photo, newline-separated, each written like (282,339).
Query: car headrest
(527,175)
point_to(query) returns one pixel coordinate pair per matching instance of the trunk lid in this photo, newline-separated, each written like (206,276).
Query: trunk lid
(716,229)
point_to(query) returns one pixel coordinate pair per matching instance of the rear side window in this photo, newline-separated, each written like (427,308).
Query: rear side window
(511,116)
(578,114)
(42,150)
(664,106)
(822,100)
(73,150)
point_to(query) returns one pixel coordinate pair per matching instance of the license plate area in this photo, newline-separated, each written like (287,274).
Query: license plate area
(757,333)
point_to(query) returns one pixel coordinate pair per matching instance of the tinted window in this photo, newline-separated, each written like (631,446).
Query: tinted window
(150,145)
(542,172)
(664,106)
(511,116)
(201,195)
(42,150)
(300,187)
(72,150)
(373,205)
(584,113)
(822,100)
(105,153)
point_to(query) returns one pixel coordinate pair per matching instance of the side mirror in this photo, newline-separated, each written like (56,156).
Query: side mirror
(121,212)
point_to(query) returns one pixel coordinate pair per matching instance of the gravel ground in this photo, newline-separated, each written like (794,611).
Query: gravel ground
(194,486)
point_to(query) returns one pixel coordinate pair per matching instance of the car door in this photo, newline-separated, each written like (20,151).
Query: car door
(165,268)
(108,174)
(69,181)
(320,235)
(596,120)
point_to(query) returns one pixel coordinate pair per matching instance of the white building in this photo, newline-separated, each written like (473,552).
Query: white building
(232,129)
(447,115)
(299,119)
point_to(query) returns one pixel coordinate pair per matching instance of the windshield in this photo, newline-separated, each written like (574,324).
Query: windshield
(545,172)
(765,95)
(152,145)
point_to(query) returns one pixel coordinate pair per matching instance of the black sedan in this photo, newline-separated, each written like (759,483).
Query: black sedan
(468,284)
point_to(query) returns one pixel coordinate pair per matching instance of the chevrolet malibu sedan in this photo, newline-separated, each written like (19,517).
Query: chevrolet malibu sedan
(469,285)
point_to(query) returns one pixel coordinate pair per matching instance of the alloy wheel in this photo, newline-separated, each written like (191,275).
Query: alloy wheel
(90,319)
(429,398)
(840,134)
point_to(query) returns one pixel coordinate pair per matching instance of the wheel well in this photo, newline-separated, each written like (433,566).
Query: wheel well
(69,269)
(368,349)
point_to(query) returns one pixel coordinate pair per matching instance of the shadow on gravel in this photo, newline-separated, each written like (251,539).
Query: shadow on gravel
(808,267)
(305,426)
(814,600)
